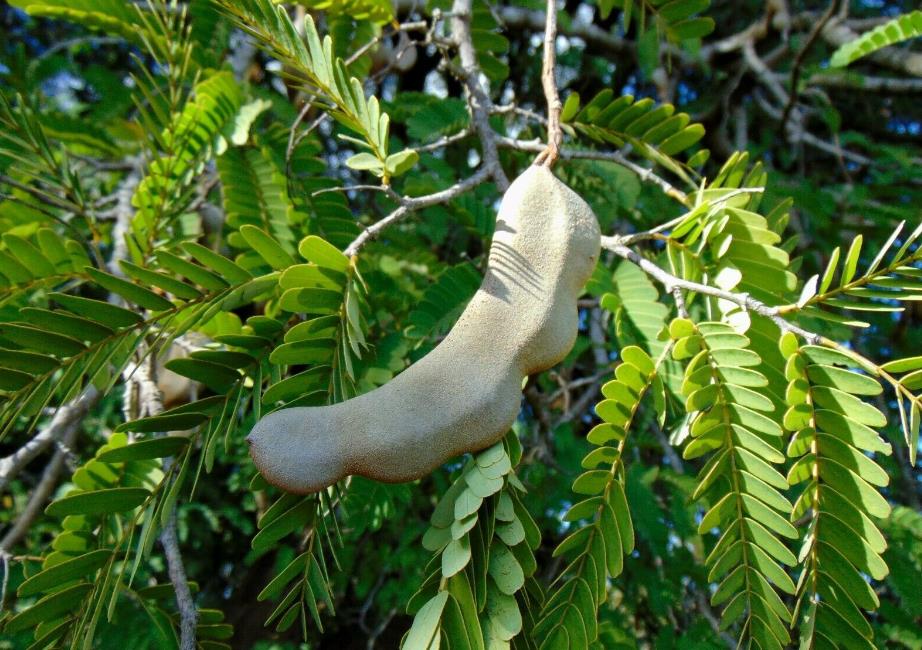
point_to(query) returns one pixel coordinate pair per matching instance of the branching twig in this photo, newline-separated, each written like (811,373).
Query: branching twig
(567,386)
(602,362)
(144,398)
(795,131)
(410,204)
(444,141)
(644,173)
(386,189)
(66,420)
(811,139)
(295,138)
(518,110)
(49,479)
(671,282)
(705,608)
(797,66)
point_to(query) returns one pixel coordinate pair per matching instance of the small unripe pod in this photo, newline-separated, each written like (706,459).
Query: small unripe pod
(464,395)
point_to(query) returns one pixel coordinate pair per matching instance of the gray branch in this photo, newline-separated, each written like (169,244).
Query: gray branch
(188,615)
(645,174)
(145,399)
(411,204)
(124,213)
(65,434)
(63,426)
(478,99)
(866,82)
(671,282)
(150,403)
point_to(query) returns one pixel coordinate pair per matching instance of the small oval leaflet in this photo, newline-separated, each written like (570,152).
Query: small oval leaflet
(63,572)
(153,448)
(49,608)
(98,502)
(323,254)
(158,423)
(456,556)
(426,624)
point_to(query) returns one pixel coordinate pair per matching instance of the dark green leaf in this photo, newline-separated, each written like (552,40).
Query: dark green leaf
(57,574)
(98,502)
(151,448)
(38,340)
(98,311)
(129,291)
(214,375)
(49,608)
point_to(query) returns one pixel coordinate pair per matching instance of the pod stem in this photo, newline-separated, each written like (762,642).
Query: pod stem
(554,132)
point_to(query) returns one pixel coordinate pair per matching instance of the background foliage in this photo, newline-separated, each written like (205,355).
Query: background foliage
(727,455)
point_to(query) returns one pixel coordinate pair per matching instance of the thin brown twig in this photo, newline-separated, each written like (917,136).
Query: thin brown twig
(797,66)
(597,328)
(645,174)
(411,204)
(744,300)
(444,141)
(549,83)
(66,419)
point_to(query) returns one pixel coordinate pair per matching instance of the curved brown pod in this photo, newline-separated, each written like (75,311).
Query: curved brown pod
(465,394)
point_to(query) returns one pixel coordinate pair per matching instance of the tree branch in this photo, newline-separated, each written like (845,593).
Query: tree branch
(444,141)
(411,204)
(188,615)
(811,139)
(671,282)
(42,491)
(144,399)
(478,99)
(644,173)
(124,213)
(797,66)
(63,425)
(603,366)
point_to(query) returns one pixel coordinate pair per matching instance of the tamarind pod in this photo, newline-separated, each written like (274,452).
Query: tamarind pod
(465,394)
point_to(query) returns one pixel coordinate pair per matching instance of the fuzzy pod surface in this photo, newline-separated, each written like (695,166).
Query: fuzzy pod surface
(463,395)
